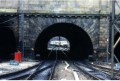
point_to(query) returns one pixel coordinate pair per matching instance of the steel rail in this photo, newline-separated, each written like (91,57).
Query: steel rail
(94,73)
(18,74)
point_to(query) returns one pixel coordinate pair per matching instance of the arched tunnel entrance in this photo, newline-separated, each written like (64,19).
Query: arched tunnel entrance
(117,48)
(80,43)
(7,43)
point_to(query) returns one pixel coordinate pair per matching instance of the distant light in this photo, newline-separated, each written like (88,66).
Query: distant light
(27,15)
(58,16)
(1,72)
(35,15)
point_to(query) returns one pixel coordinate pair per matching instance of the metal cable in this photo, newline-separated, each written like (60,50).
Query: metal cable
(8,20)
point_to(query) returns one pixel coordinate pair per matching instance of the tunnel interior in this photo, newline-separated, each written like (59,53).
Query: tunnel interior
(117,48)
(58,43)
(80,43)
(7,43)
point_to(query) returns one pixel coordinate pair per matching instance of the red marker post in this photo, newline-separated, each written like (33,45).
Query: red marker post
(18,56)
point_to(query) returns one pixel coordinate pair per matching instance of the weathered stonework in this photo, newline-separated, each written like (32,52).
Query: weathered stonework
(33,26)
(57,6)
(12,23)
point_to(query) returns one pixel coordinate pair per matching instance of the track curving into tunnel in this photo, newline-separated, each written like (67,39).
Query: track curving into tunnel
(80,43)
(7,43)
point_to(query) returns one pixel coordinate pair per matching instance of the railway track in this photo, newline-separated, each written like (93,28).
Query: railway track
(92,72)
(63,71)
(19,74)
(107,70)
(79,71)
(44,71)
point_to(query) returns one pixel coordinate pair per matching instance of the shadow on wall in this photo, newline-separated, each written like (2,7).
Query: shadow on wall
(80,43)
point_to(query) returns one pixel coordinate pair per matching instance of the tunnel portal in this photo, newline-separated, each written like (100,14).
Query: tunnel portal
(80,43)
(7,43)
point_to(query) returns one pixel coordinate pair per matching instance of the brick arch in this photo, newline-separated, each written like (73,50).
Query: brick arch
(7,43)
(90,25)
(81,45)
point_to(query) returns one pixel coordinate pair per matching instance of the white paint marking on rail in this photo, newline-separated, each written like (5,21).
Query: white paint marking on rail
(75,75)
(67,65)
(73,71)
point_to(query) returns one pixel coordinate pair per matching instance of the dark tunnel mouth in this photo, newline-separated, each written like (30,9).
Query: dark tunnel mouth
(80,42)
(117,48)
(7,44)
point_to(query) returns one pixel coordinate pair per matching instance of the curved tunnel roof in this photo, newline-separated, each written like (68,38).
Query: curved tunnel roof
(80,42)
(7,43)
